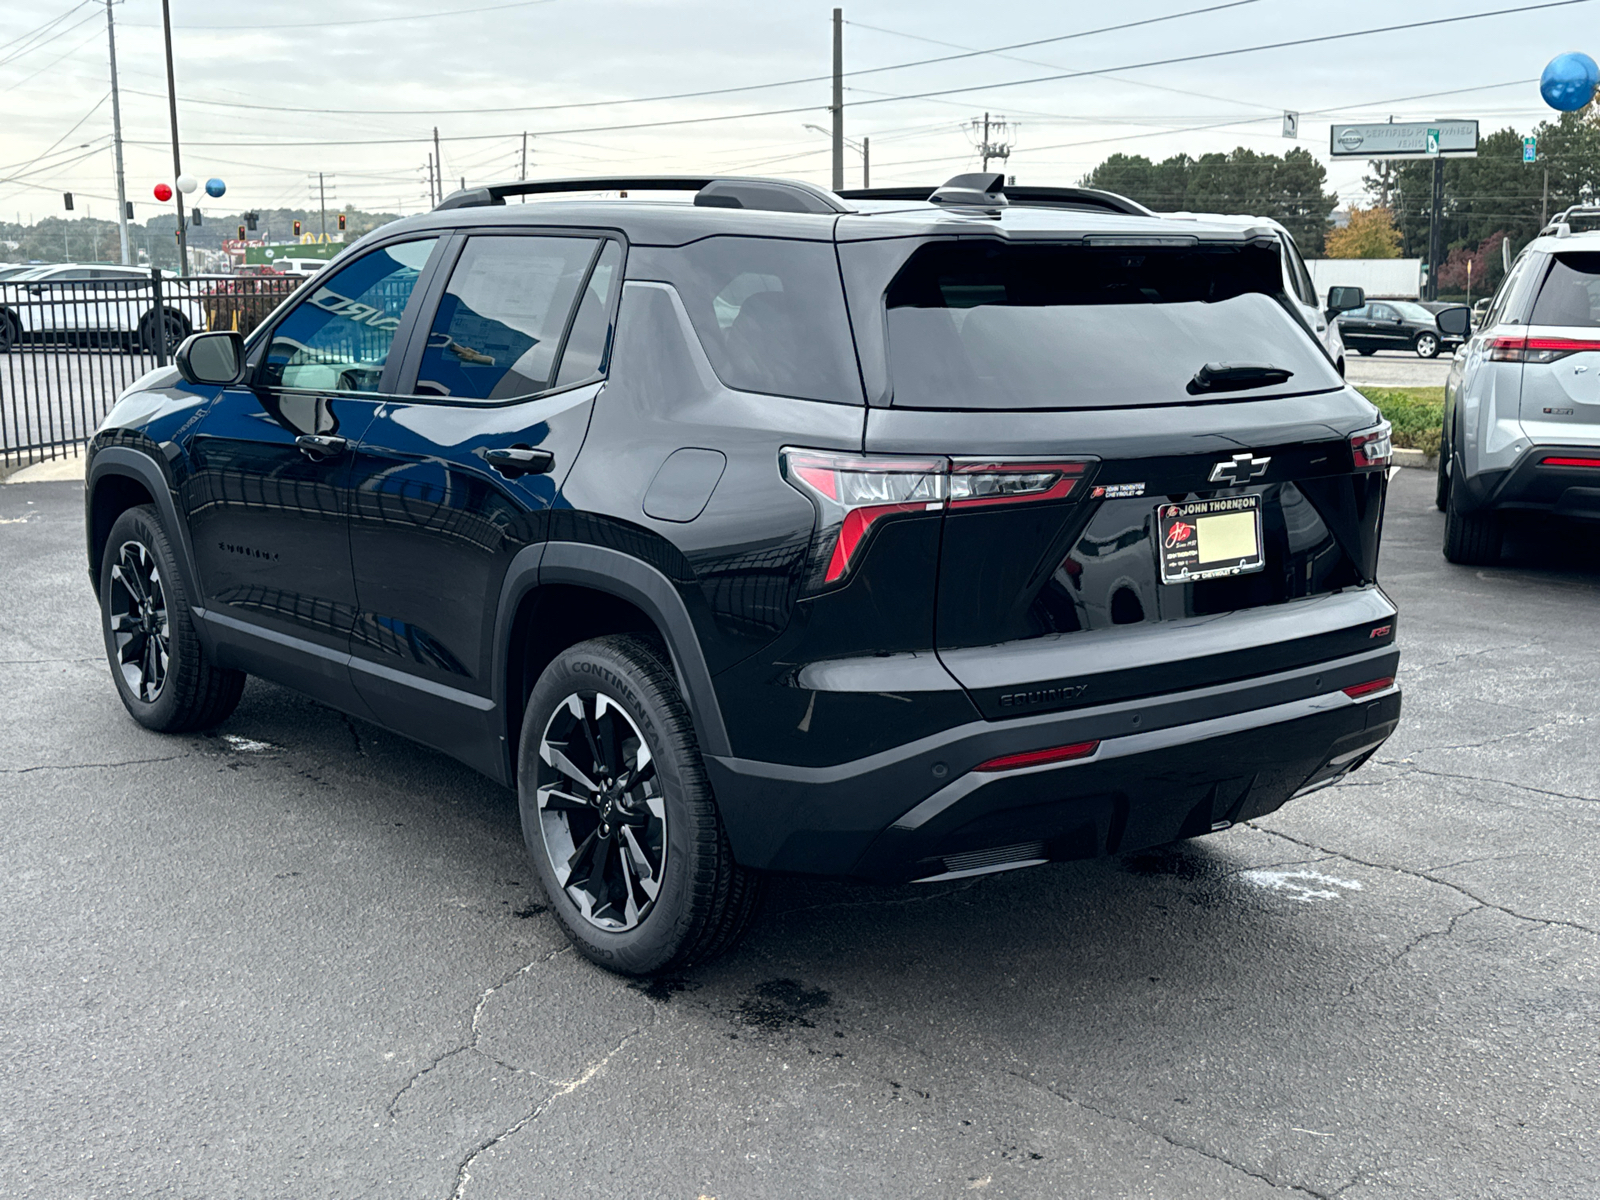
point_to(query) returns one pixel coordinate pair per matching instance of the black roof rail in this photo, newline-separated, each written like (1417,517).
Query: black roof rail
(713,191)
(1081,199)
(1561,224)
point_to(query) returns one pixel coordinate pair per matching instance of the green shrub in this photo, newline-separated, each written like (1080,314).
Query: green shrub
(1417,414)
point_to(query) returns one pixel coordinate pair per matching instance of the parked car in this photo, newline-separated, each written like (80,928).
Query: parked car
(94,304)
(1297,283)
(12,270)
(1395,325)
(775,531)
(1522,403)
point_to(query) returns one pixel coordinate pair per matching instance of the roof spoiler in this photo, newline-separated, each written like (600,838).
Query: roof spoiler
(772,195)
(990,191)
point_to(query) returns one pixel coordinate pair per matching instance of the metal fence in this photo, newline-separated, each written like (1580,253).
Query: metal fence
(69,347)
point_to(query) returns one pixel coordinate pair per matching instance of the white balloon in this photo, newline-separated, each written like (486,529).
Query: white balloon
(187,183)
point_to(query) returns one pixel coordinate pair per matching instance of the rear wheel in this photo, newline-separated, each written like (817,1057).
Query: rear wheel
(1441,487)
(1427,345)
(159,667)
(10,335)
(1364,352)
(1471,539)
(172,324)
(618,815)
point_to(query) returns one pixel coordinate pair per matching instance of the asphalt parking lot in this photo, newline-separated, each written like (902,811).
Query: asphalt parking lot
(1396,368)
(303,957)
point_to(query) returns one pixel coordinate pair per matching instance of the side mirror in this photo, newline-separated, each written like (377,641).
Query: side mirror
(1455,321)
(1343,299)
(211,358)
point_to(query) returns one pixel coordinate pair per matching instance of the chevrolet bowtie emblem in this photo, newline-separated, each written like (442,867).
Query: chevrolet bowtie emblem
(1241,468)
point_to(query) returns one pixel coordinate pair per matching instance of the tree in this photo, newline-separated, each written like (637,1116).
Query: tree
(1370,234)
(1487,268)
(1287,188)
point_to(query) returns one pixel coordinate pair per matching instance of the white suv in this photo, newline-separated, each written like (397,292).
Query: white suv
(1522,404)
(92,302)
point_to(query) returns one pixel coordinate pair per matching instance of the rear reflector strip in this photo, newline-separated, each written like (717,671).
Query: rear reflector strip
(1569,462)
(1366,689)
(1038,758)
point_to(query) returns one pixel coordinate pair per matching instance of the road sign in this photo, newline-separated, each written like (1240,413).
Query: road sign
(1530,149)
(1291,124)
(1433,143)
(1404,139)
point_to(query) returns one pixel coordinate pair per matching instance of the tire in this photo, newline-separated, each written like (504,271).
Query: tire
(1441,487)
(593,844)
(10,335)
(1427,345)
(1471,539)
(164,680)
(177,328)
(1364,352)
(1340,367)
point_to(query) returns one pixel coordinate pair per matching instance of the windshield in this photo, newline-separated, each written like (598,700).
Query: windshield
(981,325)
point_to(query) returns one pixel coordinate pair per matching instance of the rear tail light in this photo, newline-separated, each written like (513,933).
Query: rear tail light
(1537,349)
(1038,758)
(1569,462)
(1356,691)
(1372,449)
(852,492)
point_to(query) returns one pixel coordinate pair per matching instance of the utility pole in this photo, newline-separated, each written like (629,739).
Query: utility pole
(438,165)
(432,200)
(177,164)
(1436,230)
(866,162)
(988,149)
(838,99)
(1544,202)
(322,204)
(116,140)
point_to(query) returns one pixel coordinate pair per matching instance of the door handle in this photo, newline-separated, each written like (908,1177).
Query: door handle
(512,461)
(318,446)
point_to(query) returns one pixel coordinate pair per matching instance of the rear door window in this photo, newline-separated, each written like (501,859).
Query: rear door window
(589,343)
(990,325)
(771,315)
(498,330)
(1570,295)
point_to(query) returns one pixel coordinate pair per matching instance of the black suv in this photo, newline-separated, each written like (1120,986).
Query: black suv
(783,530)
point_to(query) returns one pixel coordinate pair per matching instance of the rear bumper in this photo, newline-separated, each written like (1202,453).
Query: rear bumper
(1167,767)
(1533,486)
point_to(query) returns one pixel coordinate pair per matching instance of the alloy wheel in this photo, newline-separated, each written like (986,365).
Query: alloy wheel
(137,615)
(1427,345)
(601,811)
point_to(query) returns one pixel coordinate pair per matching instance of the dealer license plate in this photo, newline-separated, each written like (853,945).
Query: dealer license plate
(1208,539)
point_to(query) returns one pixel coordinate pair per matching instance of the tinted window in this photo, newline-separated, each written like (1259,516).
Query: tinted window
(988,325)
(1357,314)
(1412,312)
(771,315)
(1382,312)
(587,345)
(501,320)
(338,339)
(1571,292)
(1303,286)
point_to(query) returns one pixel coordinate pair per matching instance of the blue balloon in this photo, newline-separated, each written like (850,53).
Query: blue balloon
(215,187)
(1568,83)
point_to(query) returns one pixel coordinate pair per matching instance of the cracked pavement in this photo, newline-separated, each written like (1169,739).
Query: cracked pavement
(302,956)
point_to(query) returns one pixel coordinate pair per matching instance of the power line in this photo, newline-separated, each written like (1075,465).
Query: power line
(457,12)
(37,29)
(40,44)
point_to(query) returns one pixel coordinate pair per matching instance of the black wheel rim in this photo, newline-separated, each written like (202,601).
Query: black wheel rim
(137,616)
(602,817)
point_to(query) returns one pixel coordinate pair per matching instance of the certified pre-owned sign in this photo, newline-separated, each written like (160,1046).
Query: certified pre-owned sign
(1405,139)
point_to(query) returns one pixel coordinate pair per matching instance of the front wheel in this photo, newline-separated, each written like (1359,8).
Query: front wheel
(10,334)
(170,324)
(1441,487)
(159,667)
(618,814)
(1427,345)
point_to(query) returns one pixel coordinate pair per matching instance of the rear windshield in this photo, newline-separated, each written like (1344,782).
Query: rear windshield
(1571,292)
(985,325)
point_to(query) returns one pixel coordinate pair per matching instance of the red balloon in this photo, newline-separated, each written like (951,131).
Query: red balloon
(163,192)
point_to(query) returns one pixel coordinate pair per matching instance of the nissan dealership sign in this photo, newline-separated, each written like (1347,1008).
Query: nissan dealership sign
(1405,139)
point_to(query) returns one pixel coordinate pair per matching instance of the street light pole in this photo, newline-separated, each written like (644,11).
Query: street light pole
(116,138)
(177,164)
(838,99)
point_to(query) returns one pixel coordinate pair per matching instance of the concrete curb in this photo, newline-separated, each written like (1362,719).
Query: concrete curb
(68,469)
(1420,459)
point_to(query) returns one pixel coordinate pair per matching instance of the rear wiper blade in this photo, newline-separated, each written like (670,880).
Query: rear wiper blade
(1236,377)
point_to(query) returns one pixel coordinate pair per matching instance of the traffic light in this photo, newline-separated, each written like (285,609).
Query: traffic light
(67,196)
(250,219)
(129,210)
(194,218)
(341,222)
(241,233)
(297,229)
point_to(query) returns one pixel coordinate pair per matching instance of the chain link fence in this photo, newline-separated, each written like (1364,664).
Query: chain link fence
(68,347)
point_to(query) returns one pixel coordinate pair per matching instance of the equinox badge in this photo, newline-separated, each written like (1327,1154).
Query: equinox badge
(1241,468)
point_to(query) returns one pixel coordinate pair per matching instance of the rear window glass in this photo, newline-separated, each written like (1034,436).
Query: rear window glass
(1571,292)
(985,325)
(771,315)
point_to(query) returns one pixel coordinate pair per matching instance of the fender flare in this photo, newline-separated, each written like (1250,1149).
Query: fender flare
(133,464)
(627,578)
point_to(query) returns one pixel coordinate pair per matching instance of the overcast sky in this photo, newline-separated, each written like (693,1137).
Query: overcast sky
(555,67)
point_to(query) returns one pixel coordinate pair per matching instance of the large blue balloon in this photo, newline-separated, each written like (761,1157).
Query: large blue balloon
(1569,81)
(215,187)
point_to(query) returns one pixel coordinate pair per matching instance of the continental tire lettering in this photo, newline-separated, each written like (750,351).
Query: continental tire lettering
(607,675)
(1053,695)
